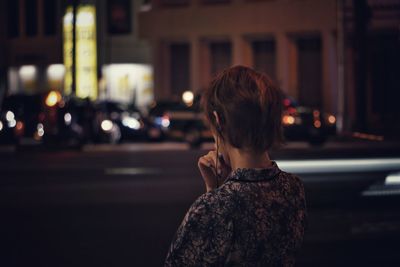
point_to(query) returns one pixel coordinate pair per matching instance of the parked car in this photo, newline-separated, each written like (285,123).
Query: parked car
(20,118)
(73,126)
(38,119)
(177,120)
(304,123)
(116,122)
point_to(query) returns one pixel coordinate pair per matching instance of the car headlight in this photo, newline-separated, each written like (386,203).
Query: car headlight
(10,116)
(40,129)
(67,118)
(107,125)
(1,126)
(162,121)
(12,123)
(165,122)
(131,122)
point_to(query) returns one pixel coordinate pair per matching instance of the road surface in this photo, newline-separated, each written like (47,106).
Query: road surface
(121,205)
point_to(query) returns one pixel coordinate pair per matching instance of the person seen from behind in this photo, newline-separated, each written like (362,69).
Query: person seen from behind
(253,213)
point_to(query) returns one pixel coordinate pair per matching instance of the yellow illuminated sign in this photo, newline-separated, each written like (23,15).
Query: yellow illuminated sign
(86,51)
(67,34)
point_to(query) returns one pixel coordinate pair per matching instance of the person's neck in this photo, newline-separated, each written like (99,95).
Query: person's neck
(249,160)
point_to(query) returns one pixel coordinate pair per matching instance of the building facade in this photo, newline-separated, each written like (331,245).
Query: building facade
(297,42)
(32,43)
(372,57)
(294,41)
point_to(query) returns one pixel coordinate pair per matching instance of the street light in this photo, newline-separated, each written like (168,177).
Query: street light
(187,98)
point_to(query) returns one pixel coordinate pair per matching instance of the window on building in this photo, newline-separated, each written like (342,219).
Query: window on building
(383,61)
(215,1)
(221,56)
(31,17)
(119,16)
(310,71)
(50,15)
(259,0)
(145,5)
(179,68)
(264,57)
(174,2)
(12,18)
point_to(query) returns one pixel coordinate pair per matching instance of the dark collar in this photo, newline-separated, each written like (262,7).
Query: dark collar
(255,175)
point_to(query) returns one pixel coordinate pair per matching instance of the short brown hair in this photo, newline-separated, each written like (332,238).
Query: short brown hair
(249,107)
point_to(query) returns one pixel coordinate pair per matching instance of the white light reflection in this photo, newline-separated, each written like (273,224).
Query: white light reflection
(165,122)
(55,71)
(27,72)
(11,124)
(106,125)
(10,116)
(340,165)
(393,179)
(67,118)
(131,123)
(40,130)
(188,97)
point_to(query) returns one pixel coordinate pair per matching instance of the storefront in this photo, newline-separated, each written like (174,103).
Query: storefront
(128,83)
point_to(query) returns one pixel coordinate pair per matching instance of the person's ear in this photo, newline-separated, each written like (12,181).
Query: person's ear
(218,123)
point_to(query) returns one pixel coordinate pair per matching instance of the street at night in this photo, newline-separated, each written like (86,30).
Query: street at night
(121,205)
(184,133)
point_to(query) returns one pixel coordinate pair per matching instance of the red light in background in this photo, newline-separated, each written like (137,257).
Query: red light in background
(292,110)
(286,102)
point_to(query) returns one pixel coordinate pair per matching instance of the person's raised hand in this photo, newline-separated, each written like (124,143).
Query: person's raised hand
(207,169)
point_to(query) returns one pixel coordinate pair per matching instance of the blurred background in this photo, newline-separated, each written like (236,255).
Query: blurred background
(101,128)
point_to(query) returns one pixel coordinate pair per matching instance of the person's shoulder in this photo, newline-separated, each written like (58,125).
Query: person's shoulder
(212,197)
(292,178)
(215,201)
(293,183)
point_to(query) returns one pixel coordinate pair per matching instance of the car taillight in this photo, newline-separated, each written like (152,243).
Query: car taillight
(288,120)
(19,128)
(331,119)
(292,110)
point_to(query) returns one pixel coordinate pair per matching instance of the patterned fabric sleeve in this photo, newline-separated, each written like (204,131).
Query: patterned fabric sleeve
(204,237)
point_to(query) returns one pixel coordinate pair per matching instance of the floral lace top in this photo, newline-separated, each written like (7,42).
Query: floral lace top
(256,217)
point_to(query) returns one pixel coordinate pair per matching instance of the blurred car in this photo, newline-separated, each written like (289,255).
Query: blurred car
(184,121)
(116,122)
(176,120)
(308,124)
(37,119)
(69,124)
(20,119)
